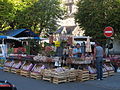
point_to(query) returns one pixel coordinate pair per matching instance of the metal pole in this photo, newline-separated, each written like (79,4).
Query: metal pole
(108,41)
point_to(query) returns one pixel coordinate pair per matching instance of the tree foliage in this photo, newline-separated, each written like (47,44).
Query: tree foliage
(38,15)
(94,15)
(6,13)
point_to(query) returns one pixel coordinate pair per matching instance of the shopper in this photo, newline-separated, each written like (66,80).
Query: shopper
(98,56)
(66,52)
(77,51)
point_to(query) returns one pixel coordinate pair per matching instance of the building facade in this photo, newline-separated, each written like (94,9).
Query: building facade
(69,21)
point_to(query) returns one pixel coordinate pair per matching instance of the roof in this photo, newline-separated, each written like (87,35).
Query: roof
(59,30)
(20,33)
(69,29)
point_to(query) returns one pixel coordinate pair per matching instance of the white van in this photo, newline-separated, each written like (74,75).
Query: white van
(81,39)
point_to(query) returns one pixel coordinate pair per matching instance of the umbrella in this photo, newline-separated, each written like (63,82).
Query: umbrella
(88,45)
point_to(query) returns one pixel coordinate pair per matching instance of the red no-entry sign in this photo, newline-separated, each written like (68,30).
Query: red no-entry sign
(108,31)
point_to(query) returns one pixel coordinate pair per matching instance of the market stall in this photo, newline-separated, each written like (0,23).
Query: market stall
(55,66)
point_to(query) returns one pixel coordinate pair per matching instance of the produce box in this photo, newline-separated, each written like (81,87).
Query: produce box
(25,73)
(58,80)
(111,73)
(105,74)
(47,75)
(37,71)
(83,75)
(7,66)
(109,69)
(92,76)
(16,67)
(25,69)
(72,75)
(60,77)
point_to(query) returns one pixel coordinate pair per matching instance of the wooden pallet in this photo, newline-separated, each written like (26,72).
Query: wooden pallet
(13,70)
(35,75)
(105,74)
(47,78)
(71,79)
(83,75)
(7,69)
(111,73)
(25,73)
(72,76)
(83,79)
(58,80)
(18,71)
(92,76)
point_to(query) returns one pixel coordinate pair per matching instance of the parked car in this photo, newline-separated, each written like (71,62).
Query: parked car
(5,85)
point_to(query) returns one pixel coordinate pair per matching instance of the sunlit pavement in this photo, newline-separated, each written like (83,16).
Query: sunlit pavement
(24,83)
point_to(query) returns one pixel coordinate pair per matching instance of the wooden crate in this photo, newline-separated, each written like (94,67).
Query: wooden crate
(35,75)
(111,73)
(60,77)
(47,75)
(83,79)
(25,73)
(15,70)
(18,71)
(58,80)
(83,75)
(7,69)
(71,79)
(105,74)
(92,76)
(47,78)
(15,67)
(72,76)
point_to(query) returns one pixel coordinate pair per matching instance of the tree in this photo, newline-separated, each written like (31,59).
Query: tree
(94,15)
(41,15)
(38,15)
(6,13)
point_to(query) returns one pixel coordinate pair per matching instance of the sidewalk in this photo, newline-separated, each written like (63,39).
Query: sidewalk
(24,83)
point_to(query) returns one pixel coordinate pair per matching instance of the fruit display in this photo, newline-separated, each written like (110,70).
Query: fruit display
(40,58)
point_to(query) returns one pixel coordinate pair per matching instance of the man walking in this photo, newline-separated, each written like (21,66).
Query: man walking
(98,56)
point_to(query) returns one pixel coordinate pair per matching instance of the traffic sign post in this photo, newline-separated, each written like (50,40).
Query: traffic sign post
(108,32)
